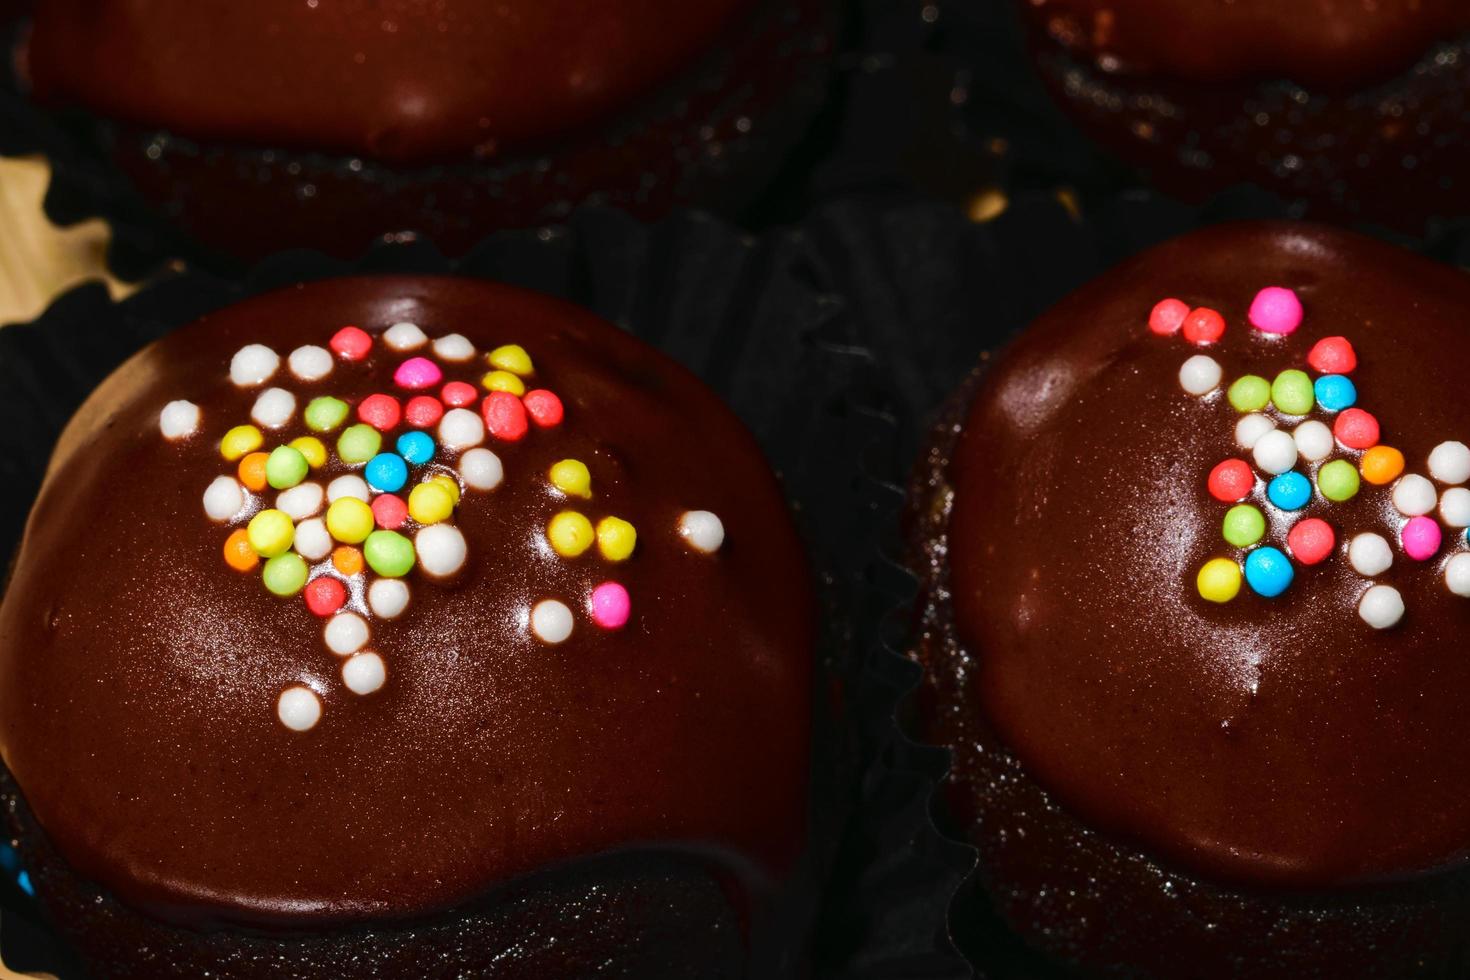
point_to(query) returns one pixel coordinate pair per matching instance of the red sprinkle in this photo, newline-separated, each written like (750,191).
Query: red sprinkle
(505,416)
(423,411)
(458,394)
(389,511)
(1203,326)
(1311,541)
(380,411)
(325,595)
(1333,355)
(1168,316)
(1356,429)
(544,406)
(1232,481)
(352,343)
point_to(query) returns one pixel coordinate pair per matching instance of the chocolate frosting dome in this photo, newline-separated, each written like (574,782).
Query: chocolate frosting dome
(1323,43)
(1304,725)
(602,638)
(397,80)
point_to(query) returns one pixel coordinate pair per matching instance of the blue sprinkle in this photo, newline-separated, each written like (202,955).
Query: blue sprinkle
(386,472)
(9,859)
(1290,491)
(1335,392)
(416,447)
(1268,572)
(24,881)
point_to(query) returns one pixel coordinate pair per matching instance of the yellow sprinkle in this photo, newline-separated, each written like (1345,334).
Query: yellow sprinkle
(311,447)
(270,533)
(570,534)
(240,440)
(449,483)
(512,358)
(504,381)
(572,478)
(430,502)
(349,520)
(1219,580)
(615,538)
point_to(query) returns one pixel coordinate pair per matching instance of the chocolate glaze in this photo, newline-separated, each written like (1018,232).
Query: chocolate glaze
(1332,44)
(1274,742)
(138,673)
(405,81)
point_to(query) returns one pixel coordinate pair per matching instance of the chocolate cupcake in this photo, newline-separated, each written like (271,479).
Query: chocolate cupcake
(287,124)
(432,627)
(1194,562)
(1357,109)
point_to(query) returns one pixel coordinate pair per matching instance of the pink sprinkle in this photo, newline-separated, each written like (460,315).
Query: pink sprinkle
(351,343)
(389,512)
(1276,310)
(458,394)
(1333,355)
(1421,538)
(1167,316)
(545,408)
(610,606)
(423,411)
(418,372)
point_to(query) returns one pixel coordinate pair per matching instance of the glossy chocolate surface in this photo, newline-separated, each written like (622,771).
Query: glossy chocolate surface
(139,673)
(1331,44)
(1271,742)
(395,80)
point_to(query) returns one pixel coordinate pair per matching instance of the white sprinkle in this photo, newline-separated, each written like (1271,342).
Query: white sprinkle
(441,549)
(274,408)
(313,541)
(404,336)
(388,597)
(1457,574)
(1369,554)
(1454,507)
(178,419)
(253,365)
(1275,452)
(364,673)
(461,428)
(1449,462)
(345,633)
(1200,375)
(1314,441)
(298,708)
(702,531)
(481,470)
(1250,428)
(454,347)
(301,501)
(223,498)
(310,363)
(1413,495)
(1381,607)
(551,621)
(350,485)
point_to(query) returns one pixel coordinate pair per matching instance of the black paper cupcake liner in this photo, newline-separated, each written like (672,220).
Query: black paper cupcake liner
(752,319)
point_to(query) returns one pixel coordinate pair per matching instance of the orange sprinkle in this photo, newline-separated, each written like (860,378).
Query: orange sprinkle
(1382,464)
(238,553)
(347,560)
(252,471)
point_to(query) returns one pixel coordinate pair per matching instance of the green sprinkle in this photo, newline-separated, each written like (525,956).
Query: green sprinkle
(285,574)
(325,413)
(1250,393)
(388,553)
(1338,480)
(359,443)
(285,467)
(1292,392)
(1244,525)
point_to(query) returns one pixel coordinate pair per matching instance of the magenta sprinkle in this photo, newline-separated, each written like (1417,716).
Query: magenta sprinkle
(1421,538)
(610,606)
(417,373)
(1276,310)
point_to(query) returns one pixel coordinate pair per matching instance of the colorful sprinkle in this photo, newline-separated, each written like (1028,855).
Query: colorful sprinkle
(449,483)
(544,408)
(364,673)
(1167,316)
(1200,375)
(1268,572)
(240,440)
(1338,481)
(1244,525)
(1250,393)
(1311,541)
(405,336)
(1250,428)
(298,709)
(1335,392)
(313,542)
(1203,326)
(388,597)
(417,373)
(1356,429)
(389,511)
(345,634)
(380,411)
(388,553)
(386,472)
(350,520)
(273,408)
(271,533)
(351,343)
(415,447)
(253,364)
(503,381)
(423,411)
(1413,495)
(441,549)
(1289,491)
(325,413)
(1381,465)
(1276,310)
(284,575)
(310,363)
(461,429)
(347,560)
(512,358)
(1381,607)
(252,471)
(1333,355)
(325,595)
(1454,507)
(1275,452)
(616,538)
(481,469)
(1292,392)
(1449,462)
(551,621)
(223,499)
(572,478)
(359,443)
(285,468)
(459,394)
(311,447)
(238,553)
(430,502)
(609,606)
(1231,481)
(179,419)
(505,416)
(1421,538)
(569,534)
(1313,441)
(454,347)
(1369,554)
(1218,580)
(1457,574)
(702,531)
